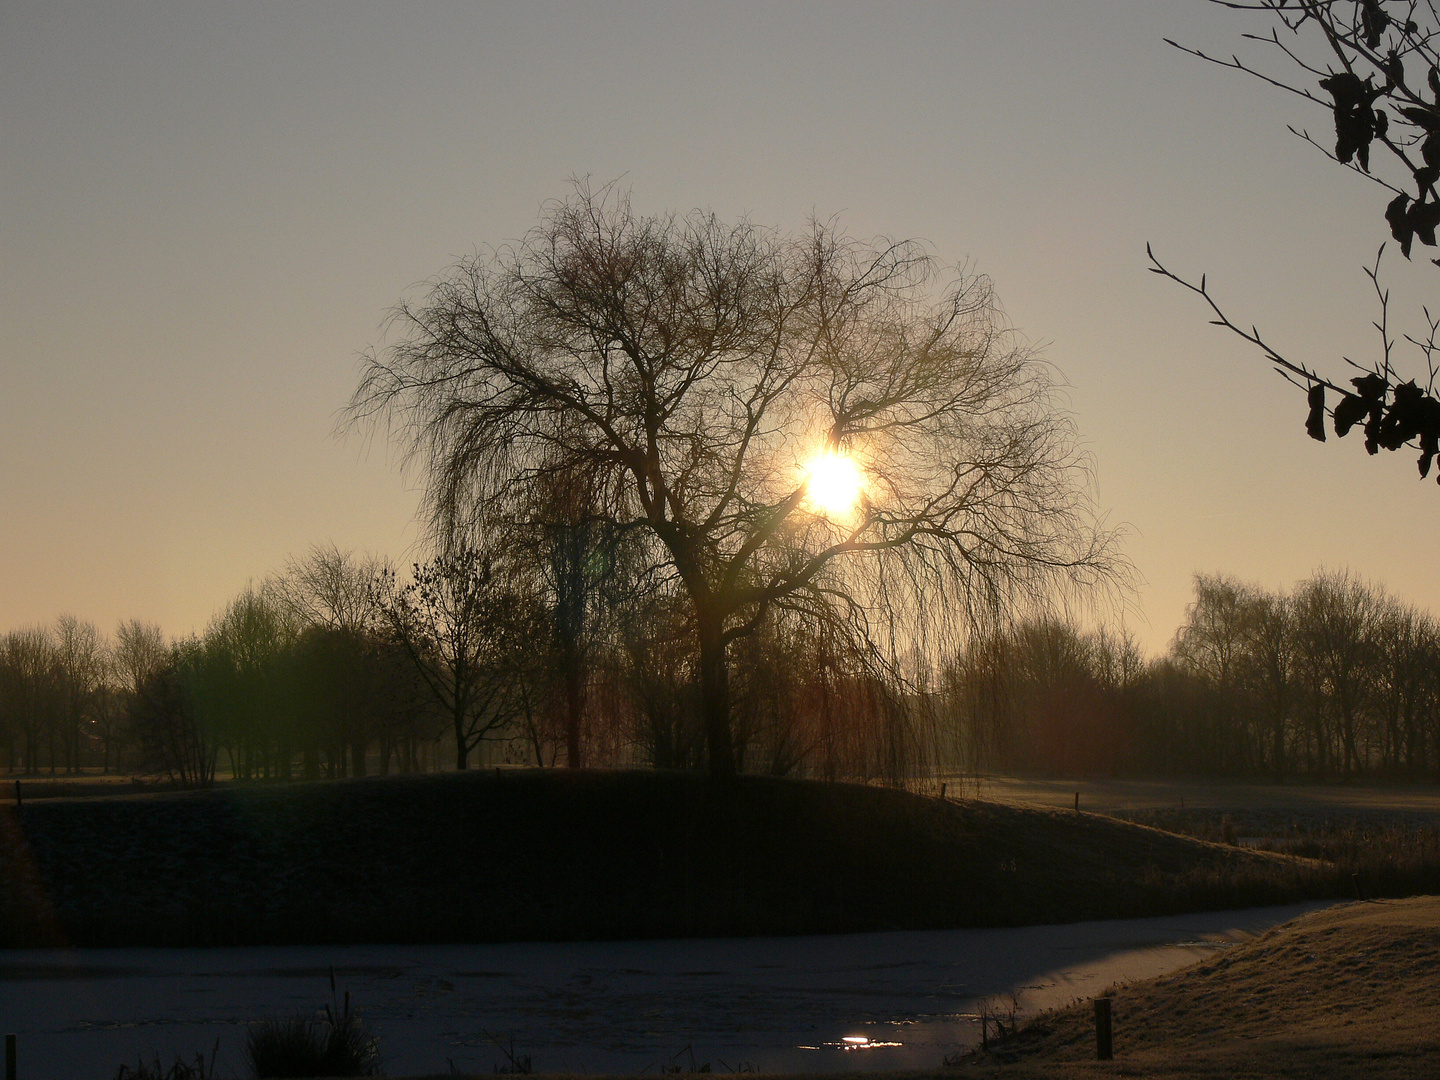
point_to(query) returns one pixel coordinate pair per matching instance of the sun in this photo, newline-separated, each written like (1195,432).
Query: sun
(833,484)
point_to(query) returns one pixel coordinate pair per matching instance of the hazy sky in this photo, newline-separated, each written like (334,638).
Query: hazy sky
(206,209)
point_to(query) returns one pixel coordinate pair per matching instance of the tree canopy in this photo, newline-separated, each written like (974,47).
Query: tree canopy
(704,380)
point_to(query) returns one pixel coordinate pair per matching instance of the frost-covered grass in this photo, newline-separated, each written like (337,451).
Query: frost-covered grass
(1378,852)
(1346,992)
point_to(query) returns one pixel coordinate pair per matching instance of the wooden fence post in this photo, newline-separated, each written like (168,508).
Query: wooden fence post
(1104,1048)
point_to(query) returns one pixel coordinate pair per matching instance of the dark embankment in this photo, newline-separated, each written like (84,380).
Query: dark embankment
(556,855)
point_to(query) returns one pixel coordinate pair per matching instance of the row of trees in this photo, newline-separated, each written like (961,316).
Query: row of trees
(1333,679)
(333,668)
(290,678)
(337,667)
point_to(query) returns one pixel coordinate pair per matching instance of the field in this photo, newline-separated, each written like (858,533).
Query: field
(531,855)
(1121,796)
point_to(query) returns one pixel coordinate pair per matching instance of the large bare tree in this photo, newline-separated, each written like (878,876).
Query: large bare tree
(711,379)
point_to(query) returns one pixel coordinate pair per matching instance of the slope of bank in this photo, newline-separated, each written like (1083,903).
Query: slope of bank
(1345,992)
(549,855)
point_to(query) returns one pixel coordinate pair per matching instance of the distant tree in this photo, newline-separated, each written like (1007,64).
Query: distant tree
(469,635)
(1407,664)
(978,690)
(1270,669)
(340,696)
(330,589)
(139,651)
(31,693)
(1337,622)
(1042,694)
(657,664)
(812,696)
(1374,66)
(574,549)
(1176,710)
(239,678)
(1214,643)
(169,721)
(702,375)
(82,655)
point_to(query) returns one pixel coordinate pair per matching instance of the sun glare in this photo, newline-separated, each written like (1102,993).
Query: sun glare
(833,484)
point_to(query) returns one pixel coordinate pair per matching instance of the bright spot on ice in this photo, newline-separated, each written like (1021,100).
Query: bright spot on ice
(860,1042)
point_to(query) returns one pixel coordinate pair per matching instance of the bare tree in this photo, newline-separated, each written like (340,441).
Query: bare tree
(330,589)
(1271,668)
(344,691)
(1374,66)
(1214,643)
(1337,620)
(1407,656)
(468,634)
(240,685)
(138,653)
(574,549)
(81,653)
(169,722)
(705,376)
(31,691)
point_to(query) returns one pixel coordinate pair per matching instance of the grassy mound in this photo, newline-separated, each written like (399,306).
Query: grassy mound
(556,855)
(1345,992)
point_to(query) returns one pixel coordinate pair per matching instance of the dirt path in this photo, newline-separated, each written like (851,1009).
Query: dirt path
(1347,992)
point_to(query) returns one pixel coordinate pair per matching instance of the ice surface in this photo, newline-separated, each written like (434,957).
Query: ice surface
(778,1004)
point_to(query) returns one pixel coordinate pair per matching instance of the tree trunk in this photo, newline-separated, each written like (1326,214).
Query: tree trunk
(1278,746)
(574,701)
(461,750)
(715,699)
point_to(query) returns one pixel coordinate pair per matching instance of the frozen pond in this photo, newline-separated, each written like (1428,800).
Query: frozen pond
(777,1004)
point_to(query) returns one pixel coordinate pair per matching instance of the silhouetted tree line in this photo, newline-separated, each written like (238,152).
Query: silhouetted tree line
(1333,679)
(296,678)
(561,648)
(546,652)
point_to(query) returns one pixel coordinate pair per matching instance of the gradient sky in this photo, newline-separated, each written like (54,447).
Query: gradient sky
(206,210)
